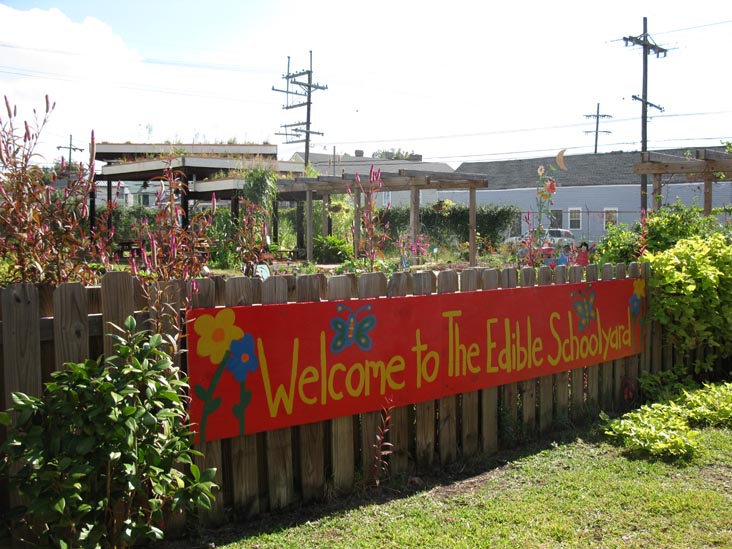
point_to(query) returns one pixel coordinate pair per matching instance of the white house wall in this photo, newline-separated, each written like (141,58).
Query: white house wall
(593,201)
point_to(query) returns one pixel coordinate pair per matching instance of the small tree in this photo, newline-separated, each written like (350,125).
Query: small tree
(100,457)
(43,227)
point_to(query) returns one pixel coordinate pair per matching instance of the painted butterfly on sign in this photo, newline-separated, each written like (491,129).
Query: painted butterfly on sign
(350,330)
(585,307)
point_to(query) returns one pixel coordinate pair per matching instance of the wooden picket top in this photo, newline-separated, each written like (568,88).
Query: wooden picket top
(42,330)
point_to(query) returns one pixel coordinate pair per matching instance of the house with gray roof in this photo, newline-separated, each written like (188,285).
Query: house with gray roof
(597,189)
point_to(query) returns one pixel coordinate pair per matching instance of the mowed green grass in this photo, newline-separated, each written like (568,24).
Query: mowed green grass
(569,494)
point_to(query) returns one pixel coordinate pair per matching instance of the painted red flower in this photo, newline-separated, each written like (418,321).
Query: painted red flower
(550,186)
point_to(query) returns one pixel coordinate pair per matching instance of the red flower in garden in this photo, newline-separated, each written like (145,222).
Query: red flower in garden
(551,186)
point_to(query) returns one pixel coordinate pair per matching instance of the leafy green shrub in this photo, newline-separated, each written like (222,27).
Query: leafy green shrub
(331,249)
(665,430)
(674,222)
(620,244)
(692,297)
(658,430)
(98,458)
(667,384)
(710,406)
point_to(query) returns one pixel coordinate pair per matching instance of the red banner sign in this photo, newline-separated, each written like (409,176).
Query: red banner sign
(265,367)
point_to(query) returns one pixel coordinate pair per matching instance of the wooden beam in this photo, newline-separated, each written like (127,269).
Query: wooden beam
(472,215)
(686,167)
(414,221)
(309,225)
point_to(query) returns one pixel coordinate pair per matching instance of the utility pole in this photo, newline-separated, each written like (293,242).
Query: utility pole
(299,132)
(70,148)
(597,124)
(649,46)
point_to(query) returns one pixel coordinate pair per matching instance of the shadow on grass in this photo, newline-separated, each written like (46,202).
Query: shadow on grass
(451,479)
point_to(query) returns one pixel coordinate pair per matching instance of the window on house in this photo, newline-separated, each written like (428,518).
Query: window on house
(611,217)
(556,219)
(575,219)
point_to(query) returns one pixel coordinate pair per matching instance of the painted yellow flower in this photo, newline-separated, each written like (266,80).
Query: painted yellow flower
(540,171)
(216,334)
(639,287)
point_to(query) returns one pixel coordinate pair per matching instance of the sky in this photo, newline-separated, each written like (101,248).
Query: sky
(458,81)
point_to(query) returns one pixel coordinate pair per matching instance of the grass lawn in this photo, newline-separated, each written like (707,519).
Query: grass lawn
(578,491)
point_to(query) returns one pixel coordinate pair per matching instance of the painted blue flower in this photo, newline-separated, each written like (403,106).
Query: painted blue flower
(635,305)
(242,359)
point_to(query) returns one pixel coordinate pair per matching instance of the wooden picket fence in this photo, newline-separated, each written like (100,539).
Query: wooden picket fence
(42,330)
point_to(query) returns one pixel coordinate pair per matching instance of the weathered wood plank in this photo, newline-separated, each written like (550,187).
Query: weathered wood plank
(546,383)
(592,372)
(243,450)
(280,469)
(342,452)
(469,411)
(21,349)
(425,283)
(370,285)
(70,324)
(400,433)
(577,375)
(620,378)
(490,280)
(311,437)
(118,302)
(509,392)
(606,368)
(528,388)
(447,282)
(211,450)
(562,379)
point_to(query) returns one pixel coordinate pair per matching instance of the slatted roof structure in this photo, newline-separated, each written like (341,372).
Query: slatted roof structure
(704,165)
(307,190)
(301,189)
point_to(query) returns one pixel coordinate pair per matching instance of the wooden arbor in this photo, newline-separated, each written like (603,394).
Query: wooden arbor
(706,165)
(320,188)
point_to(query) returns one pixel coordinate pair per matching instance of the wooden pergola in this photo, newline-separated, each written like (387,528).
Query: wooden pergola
(705,165)
(308,190)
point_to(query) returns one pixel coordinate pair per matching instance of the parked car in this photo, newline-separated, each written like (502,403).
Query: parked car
(556,238)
